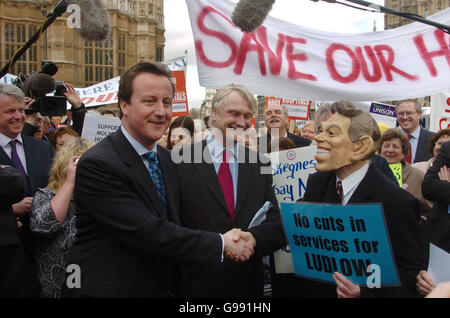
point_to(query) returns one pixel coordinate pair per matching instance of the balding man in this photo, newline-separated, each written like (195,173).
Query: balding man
(276,119)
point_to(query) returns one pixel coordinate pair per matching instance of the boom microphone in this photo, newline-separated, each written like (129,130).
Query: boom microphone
(94,21)
(248,15)
(38,85)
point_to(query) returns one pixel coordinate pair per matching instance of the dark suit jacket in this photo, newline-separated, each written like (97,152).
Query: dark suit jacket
(203,207)
(400,211)
(437,227)
(16,279)
(298,140)
(39,157)
(12,190)
(126,245)
(383,166)
(423,146)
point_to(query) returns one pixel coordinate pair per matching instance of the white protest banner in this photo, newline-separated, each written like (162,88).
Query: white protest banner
(290,61)
(100,94)
(440,111)
(177,64)
(97,127)
(383,113)
(290,171)
(8,79)
(106,92)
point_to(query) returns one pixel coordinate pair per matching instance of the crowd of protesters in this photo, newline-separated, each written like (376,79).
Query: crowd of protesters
(113,217)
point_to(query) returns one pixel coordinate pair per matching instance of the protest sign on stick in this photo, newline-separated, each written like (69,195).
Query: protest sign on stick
(352,240)
(290,171)
(97,127)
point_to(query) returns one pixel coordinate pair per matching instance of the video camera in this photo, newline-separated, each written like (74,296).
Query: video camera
(38,84)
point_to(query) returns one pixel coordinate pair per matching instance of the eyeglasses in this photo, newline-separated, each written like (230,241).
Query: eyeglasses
(401,114)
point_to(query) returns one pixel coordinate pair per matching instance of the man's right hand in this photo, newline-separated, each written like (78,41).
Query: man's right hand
(22,207)
(239,245)
(424,282)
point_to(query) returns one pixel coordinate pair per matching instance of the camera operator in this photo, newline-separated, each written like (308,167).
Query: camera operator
(34,121)
(34,124)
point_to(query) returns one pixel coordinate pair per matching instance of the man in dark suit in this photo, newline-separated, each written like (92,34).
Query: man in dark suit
(129,240)
(15,269)
(436,229)
(344,150)
(31,156)
(408,116)
(276,119)
(223,185)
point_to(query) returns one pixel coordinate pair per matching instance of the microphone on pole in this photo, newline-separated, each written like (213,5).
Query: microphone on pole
(94,21)
(249,15)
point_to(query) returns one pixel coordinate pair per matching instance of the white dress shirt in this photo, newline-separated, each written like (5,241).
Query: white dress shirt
(6,146)
(350,183)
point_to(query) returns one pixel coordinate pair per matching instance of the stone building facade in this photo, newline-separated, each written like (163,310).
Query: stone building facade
(137,34)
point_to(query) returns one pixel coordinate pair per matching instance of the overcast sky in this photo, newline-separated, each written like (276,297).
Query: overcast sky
(316,15)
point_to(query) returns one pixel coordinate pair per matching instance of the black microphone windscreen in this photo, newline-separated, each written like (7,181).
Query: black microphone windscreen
(95,23)
(38,85)
(248,15)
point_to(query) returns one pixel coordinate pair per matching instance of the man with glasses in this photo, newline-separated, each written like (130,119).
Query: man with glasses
(408,115)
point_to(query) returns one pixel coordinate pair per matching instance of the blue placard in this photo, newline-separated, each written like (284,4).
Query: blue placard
(327,238)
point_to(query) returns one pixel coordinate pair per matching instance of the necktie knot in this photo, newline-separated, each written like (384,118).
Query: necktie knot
(13,143)
(150,156)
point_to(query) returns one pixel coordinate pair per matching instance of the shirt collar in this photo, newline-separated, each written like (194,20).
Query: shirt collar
(140,149)
(415,133)
(4,140)
(353,180)
(216,149)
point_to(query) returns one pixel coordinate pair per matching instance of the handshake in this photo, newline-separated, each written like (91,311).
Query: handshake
(239,245)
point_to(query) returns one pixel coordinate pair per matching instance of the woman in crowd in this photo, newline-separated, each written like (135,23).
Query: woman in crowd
(394,147)
(309,131)
(436,142)
(52,217)
(61,135)
(181,132)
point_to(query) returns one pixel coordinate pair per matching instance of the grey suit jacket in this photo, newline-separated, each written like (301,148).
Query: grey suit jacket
(423,146)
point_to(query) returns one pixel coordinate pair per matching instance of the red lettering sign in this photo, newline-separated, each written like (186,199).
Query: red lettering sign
(427,56)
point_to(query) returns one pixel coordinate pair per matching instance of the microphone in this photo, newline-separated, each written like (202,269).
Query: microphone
(38,85)
(95,23)
(249,15)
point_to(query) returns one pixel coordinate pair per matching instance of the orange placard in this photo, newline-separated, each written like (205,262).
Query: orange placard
(180,101)
(299,109)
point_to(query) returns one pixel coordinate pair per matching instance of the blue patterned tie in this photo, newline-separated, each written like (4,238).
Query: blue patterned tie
(157,177)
